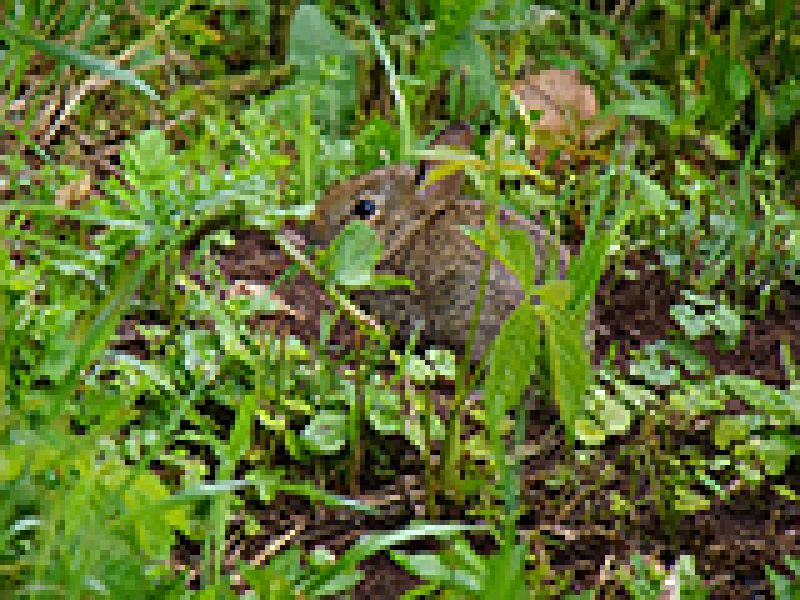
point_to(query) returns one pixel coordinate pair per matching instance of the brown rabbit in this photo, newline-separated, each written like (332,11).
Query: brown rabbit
(421,230)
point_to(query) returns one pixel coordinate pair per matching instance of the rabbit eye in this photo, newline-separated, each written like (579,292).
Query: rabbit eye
(364,208)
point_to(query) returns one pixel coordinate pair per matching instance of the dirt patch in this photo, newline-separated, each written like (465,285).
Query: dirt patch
(632,313)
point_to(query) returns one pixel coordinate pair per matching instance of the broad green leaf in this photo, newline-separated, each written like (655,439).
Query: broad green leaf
(728,322)
(757,394)
(385,410)
(154,524)
(775,451)
(691,359)
(555,293)
(515,249)
(651,368)
(696,398)
(325,62)
(733,428)
(326,433)
(469,57)
(511,363)
(352,255)
(694,325)
(611,414)
(569,361)
(443,362)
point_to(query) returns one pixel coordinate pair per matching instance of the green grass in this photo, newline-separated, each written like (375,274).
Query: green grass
(114,454)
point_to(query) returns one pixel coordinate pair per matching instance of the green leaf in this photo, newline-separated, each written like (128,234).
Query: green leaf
(433,567)
(312,36)
(351,258)
(691,359)
(590,432)
(733,428)
(720,147)
(377,143)
(339,583)
(315,494)
(694,325)
(696,398)
(154,524)
(469,57)
(653,197)
(728,322)
(277,579)
(385,410)
(371,544)
(660,111)
(651,368)
(511,362)
(443,362)
(325,61)
(756,393)
(783,588)
(787,101)
(688,501)
(91,63)
(611,414)
(793,564)
(419,370)
(689,583)
(569,361)
(505,575)
(738,82)
(515,249)
(775,452)
(326,433)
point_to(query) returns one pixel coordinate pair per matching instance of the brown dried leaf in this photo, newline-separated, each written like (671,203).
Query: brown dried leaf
(74,193)
(568,111)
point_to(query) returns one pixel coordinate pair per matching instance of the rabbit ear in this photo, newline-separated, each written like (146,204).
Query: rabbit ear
(457,135)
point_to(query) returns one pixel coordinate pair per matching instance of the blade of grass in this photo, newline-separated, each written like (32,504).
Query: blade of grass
(81,59)
(394,85)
